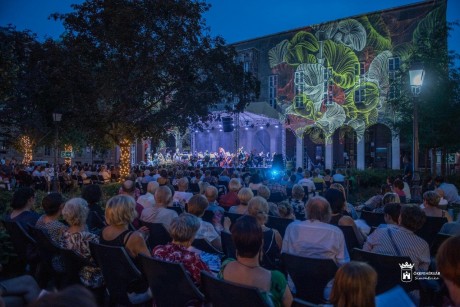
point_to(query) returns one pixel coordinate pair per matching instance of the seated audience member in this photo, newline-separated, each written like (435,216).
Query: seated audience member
(183,230)
(337,202)
(276,186)
(338,177)
(442,200)
(307,181)
(244,195)
(292,180)
(297,203)
(224,176)
(105,174)
(119,213)
(318,180)
(388,198)
(22,204)
(431,206)
(92,194)
(406,187)
(52,205)
(129,188)
(76,238)
(285,210)
(315,237)
(147,178)
(163,179)
(159,213)
(349,208)
(255,182)
(71,296)
(452,228)
(264,192)
(248,236)
(231,198)
(448,264)
(354,285)
(376,201)
(450,190)
(400,240)
(148,199)
(327,178)
(197,206)
(203,185)
(258,208)
(181,196)
(398,188)
(211,195)
(18,291)
(391,214)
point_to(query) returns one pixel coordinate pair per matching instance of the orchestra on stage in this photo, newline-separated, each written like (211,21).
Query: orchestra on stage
(219,158)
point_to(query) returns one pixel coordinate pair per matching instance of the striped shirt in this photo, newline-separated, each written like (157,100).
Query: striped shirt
(408,243)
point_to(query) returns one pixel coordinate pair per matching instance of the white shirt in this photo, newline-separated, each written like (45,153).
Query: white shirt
(147,200)
(158,215)
(307,182)
(182,197)
(315,239)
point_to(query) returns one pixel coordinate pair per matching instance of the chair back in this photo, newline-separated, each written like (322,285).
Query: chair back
(232,216)
(373,219)
(309,275)
(158,234)
(46,246)
(227,245)
(178,210)
(388,270)
(118,270)
(20,239)
(350,238)
(297,302)
(208,216)
(171,285)
(73,263)
(100,179)
(278,223)
(205,246)
(194,188)
(221,293)
(319,187)
(437,241)
(276,197)
(94,221)
(430,228)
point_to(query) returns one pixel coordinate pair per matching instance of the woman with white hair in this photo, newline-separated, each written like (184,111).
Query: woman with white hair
(76,238)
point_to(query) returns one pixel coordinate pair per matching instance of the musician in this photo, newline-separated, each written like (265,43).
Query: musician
(168,156)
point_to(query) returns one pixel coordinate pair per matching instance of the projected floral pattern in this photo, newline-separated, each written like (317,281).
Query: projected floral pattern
(337,74)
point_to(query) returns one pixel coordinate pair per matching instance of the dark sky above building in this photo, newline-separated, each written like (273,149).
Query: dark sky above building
(235,20)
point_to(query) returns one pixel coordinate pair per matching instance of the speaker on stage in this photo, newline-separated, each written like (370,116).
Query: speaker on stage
(227,124)
(278,162)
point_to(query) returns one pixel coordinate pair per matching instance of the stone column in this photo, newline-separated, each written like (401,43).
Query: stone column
(395,151)
(298,151)
(361,154)
(329,163)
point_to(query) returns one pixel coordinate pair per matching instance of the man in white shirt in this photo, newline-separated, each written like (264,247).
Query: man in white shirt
(306,181)
(159,213)
(148,199)
(314,237)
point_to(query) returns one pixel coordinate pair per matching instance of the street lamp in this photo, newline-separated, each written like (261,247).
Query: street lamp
(416,76)
(57,117)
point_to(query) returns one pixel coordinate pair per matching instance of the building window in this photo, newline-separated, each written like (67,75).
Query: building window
(246,66)
(393,92)
(393,64)
(360,95)
(47,151)
(272,89)
(299,102)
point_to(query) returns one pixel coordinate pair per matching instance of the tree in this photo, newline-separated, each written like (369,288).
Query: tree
(146,67)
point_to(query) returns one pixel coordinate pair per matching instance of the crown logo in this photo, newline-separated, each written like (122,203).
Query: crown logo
(406,266)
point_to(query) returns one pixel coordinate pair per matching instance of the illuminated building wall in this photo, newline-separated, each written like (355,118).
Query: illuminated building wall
(341,73)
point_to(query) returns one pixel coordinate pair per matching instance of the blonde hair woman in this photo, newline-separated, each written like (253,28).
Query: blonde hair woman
(119,213)
(258,208)
(244,195)
(431,206)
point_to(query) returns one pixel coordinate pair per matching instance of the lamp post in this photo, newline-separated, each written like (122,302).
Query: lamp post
(56,119)
(416,76)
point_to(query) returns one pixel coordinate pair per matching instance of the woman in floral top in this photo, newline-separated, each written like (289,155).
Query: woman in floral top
(49,222)
(297,202)
(77,239)
(183,230)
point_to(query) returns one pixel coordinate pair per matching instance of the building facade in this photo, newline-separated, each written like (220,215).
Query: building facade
(332,83)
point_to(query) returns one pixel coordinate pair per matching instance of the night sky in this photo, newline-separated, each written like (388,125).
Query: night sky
(235,20)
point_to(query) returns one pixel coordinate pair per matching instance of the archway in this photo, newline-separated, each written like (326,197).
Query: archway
(314,147)
(378,146)
(344,147)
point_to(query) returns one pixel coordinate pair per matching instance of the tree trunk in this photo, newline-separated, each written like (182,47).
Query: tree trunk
(443,161)
(125,159)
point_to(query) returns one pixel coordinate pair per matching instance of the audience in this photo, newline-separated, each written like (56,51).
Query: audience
(181,196)
(49,222)
(431,206)
(258,208)
(183,230)
(285,210)
(297,202)
(400,240)
(376,201)
(160,213)
(76,238)
(248,236)
(354,285)
(448,264)
(315,237)
(231,198)
(244,195)
(450,190)
(265,193)
(22,204)
(148,199)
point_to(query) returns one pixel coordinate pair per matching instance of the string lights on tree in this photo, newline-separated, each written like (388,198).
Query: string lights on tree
(125,158)
(26,147)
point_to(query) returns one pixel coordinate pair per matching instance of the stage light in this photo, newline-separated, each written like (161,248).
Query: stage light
(196,131)
(261,127)
(246,128)
(220,126)
(276,126)
(220,130)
